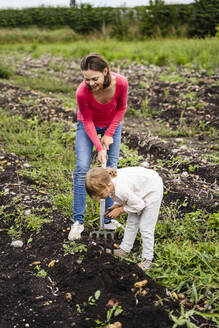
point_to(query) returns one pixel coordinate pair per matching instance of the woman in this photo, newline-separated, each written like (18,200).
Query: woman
(102,102)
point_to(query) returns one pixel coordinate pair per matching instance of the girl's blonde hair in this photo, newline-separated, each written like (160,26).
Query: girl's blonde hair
(97,180)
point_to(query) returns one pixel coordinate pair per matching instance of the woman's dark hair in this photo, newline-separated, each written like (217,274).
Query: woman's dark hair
(97,63)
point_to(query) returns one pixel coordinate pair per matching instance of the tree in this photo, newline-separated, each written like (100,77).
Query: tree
(157,19)
(205,18)
(73,4)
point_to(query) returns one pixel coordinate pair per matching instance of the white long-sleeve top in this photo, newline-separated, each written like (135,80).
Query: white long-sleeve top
(136,188)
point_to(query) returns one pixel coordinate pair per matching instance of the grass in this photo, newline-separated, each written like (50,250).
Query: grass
(188,245)
(44,83)
(64,43)
(5,72)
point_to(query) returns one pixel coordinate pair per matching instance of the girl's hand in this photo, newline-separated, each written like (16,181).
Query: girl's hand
(115,212)
(102,156)
(112,208)
(107,141)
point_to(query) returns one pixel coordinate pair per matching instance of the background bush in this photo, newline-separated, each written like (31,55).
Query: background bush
(156,20)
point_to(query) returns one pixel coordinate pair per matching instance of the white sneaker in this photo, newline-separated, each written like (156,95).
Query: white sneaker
(145,264)
(113,225)
(76,230)
(120,253)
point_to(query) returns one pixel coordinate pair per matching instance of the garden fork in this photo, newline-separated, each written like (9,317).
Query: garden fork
(103,235)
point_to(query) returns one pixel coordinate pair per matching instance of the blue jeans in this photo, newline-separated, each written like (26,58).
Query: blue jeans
(84,148)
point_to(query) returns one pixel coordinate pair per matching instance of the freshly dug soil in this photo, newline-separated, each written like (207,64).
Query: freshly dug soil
(30,301)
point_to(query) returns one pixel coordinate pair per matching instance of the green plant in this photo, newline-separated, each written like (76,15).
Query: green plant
(33,175)
(112,312)
(74,248)
(129,157)
(79,308)
(56,67)
(213,316)
(63,202)
(183,319)
(171,77)
(91,301)
(5,72)
(34,222)
(41,273)
(146,110)
(192,168)
(44,83)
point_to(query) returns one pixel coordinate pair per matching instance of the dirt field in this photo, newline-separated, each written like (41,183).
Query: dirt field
(65,297)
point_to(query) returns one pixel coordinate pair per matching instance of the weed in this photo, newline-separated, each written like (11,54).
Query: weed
(133,112)
(5,72)
(74,248)
(56,68)
(172,78)
(213,316)
(41,273)
(129,157)
(44,83)
(49,150)
(33,175)
(143,85)
(183,319)
(146,110)
(173,162)
(91,301)
(187,245)
(63,202)
(34,222)
(112,312)
(192,168)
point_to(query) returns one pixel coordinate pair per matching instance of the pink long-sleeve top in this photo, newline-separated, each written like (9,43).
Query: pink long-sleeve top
(93,114)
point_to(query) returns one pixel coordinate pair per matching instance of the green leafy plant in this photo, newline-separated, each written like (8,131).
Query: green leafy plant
(5,72)
(91,301)
(192,168)
(74,248)
(33,175)
(129,157)
(213,316)
(112,312)
(41,273)
(183,319)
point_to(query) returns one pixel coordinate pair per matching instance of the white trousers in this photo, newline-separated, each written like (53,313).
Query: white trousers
(146,223)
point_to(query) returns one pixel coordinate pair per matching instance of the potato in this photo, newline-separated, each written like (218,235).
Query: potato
(52,263)
(68,297)
(140,284)
(116,324)
(174,295)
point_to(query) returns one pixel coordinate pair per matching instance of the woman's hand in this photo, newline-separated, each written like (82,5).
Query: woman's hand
(102,156)
(107,141)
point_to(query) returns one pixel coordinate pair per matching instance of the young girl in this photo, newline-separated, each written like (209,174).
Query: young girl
(137,191)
